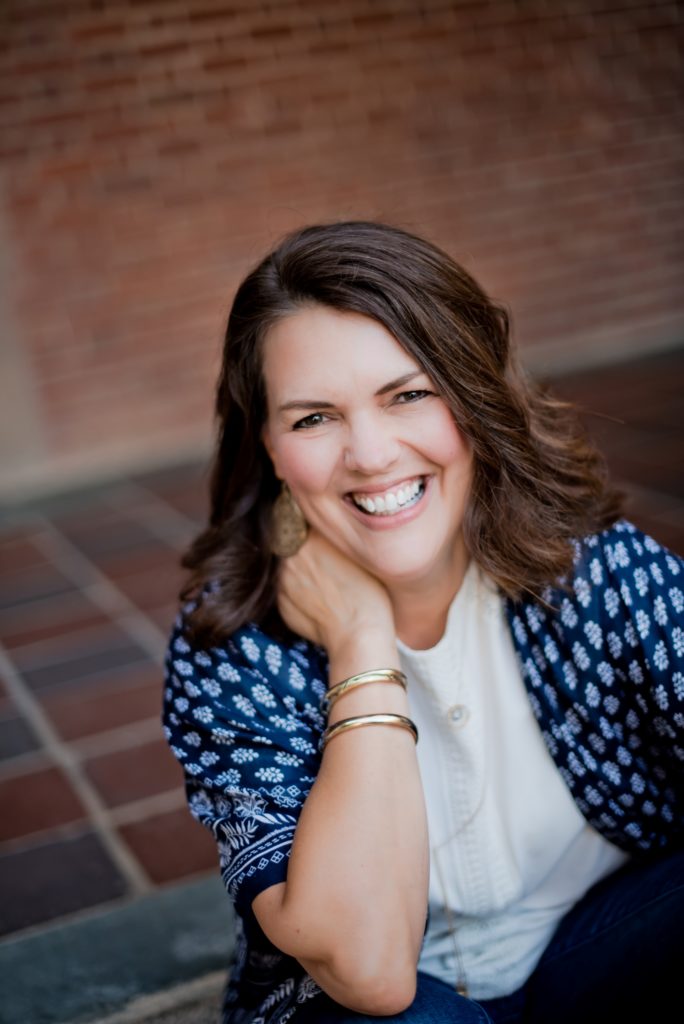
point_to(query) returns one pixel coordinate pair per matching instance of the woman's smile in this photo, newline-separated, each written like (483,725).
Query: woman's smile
(368,447)
(390,507)
(391,500)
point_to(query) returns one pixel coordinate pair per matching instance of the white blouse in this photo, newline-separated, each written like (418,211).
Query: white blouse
(510,852)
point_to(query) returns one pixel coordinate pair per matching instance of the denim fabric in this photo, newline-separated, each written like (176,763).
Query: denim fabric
(617,957)
(618,954)
(434,1001)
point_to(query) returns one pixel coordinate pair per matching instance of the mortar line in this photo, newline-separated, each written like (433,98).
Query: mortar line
(125,814)
(180,528)
(45,837)
(102,591)
(23,764)
(121,737)
(149,807)
(59,648)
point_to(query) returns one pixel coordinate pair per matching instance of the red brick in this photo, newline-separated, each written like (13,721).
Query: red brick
(38,67)
(113,82)
(171,846)
(18,551)
(134,773)
(121,700)
(95,31)
(163,49)
(36,801)
(163,616)
(210,14)
(150,559)
(149,590)
(69,613)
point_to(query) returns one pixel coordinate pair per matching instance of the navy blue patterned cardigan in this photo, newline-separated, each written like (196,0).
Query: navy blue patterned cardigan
(603,664)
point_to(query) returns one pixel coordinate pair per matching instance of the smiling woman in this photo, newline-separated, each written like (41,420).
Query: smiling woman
(381,472)
(454,570)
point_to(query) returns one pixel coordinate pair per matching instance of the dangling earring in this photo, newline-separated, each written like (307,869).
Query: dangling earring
(288,526)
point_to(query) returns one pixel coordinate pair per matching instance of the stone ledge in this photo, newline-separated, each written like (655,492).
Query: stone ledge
(197,1002)
(89,970)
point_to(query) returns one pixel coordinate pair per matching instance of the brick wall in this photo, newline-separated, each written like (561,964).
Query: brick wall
(152,150)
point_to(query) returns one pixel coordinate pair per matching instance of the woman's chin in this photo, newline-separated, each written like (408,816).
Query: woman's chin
(408,566)
(407,571)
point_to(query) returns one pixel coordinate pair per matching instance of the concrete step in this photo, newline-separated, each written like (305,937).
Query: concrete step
(198,1002)
(161,958)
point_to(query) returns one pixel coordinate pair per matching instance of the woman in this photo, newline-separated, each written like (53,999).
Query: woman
(406,539)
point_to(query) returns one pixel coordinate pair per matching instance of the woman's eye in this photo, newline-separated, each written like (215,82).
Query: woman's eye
(314,420)
(412,396)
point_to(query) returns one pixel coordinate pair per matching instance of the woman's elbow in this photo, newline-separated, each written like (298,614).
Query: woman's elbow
(377,990)
(386,1001)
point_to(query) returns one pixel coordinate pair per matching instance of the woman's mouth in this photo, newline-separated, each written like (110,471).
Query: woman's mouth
(393,500)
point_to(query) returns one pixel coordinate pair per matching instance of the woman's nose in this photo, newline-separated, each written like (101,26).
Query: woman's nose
(372,446)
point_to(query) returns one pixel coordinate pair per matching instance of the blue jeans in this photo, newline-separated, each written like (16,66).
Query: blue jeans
(617,956)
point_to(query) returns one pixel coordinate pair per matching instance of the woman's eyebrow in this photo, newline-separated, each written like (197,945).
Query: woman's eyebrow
(399,382)
(307,403)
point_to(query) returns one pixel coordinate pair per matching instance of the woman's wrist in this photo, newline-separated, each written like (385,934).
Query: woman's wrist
(377,675)
(373,649)
(361,652)
(376,698)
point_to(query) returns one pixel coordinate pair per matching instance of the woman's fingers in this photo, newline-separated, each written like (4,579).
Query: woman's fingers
(323,593)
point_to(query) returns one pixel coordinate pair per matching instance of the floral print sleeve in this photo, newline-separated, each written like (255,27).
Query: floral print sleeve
(604,667)
(244,721)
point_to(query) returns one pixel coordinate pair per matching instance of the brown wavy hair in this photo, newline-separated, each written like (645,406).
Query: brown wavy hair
(537,480)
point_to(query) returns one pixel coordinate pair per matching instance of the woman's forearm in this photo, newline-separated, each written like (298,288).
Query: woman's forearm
(354,904)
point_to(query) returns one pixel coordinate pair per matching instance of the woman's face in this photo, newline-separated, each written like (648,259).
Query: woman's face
(369,449)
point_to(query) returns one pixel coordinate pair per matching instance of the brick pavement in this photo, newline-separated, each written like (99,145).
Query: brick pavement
(92,806)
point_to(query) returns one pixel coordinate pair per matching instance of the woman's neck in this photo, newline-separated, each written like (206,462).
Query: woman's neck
(421,607)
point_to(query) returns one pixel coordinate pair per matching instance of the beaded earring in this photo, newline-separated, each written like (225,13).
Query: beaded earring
(288,526)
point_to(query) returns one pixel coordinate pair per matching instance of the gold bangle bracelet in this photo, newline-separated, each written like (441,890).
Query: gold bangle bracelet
(353,723)
(377,675)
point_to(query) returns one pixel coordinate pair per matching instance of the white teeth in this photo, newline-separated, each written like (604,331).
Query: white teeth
(391,502)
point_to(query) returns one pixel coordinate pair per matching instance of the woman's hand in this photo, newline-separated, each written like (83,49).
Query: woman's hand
(326,597)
